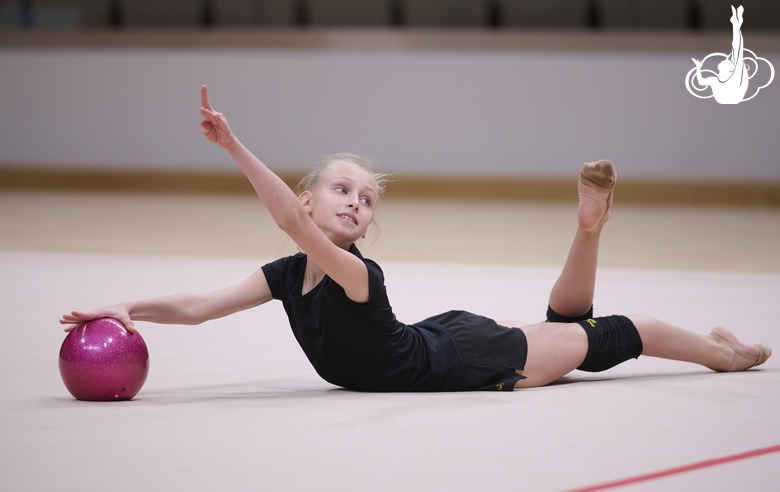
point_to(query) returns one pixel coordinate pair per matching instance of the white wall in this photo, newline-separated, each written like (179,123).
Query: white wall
(515,113)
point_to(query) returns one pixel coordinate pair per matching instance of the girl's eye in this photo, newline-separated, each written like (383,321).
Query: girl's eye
(366,201)
(341,189)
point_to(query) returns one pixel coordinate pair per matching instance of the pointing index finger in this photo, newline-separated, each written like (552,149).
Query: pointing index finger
(204,98)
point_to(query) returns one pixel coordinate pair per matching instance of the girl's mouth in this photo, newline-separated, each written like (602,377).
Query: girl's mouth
(349,217)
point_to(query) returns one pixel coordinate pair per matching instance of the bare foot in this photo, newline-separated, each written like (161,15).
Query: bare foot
(597,180)
(745,355)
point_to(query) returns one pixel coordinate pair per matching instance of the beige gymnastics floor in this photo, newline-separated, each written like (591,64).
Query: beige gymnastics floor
(734,239)
(234,405)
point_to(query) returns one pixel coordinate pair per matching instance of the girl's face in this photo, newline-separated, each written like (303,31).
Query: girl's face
(342,203)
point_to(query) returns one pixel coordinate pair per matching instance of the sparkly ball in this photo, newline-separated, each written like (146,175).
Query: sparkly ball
(101,361)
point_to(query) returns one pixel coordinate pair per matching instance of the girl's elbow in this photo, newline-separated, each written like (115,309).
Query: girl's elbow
(197,314)
(292,221)
(191,318)
(284,223)
(195,320)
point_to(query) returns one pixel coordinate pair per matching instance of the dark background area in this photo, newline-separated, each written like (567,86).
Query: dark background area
(458,14)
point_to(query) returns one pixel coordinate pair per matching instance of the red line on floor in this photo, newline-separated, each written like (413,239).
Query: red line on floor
(680,469)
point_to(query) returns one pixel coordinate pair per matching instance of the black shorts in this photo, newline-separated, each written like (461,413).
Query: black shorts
(491,352)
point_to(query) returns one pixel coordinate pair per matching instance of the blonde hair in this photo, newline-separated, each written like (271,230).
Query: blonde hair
(311,180)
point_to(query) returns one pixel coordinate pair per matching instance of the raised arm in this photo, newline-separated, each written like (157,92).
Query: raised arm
(278,198)
(286,208)
(183,309)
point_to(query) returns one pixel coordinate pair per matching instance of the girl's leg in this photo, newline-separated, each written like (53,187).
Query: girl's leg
(554,350)
(721,350)
(572,294)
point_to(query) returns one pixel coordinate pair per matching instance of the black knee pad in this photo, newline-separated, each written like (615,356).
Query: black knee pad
(554,317)
(611,340)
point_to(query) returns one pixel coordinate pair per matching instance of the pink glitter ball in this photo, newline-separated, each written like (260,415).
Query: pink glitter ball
(101,361)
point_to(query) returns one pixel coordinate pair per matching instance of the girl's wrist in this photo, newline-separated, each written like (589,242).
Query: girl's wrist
(128,307)
(232,145)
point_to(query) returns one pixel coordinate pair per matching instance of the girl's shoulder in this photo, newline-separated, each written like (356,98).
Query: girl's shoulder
(286,261)
(370,264)
(279,272)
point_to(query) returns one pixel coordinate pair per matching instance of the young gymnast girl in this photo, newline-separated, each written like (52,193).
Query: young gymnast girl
(340,314)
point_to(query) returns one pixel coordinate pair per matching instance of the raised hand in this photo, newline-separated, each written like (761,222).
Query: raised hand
(118,312)
(697,62)
(214,125)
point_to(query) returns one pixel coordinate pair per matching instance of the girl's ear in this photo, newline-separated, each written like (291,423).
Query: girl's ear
(305,199)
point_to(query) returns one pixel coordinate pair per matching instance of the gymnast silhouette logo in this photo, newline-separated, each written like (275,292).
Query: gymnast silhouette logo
(730,84)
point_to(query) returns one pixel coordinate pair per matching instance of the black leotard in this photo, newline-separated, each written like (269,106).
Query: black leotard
(363,346)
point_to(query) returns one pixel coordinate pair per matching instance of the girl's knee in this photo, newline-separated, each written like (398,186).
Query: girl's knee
(611,341)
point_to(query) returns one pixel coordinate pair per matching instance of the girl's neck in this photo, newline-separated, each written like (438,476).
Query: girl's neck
(312,276)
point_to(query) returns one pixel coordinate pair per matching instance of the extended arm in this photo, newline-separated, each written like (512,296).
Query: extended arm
(278,198)
(184,309)
(286,209)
